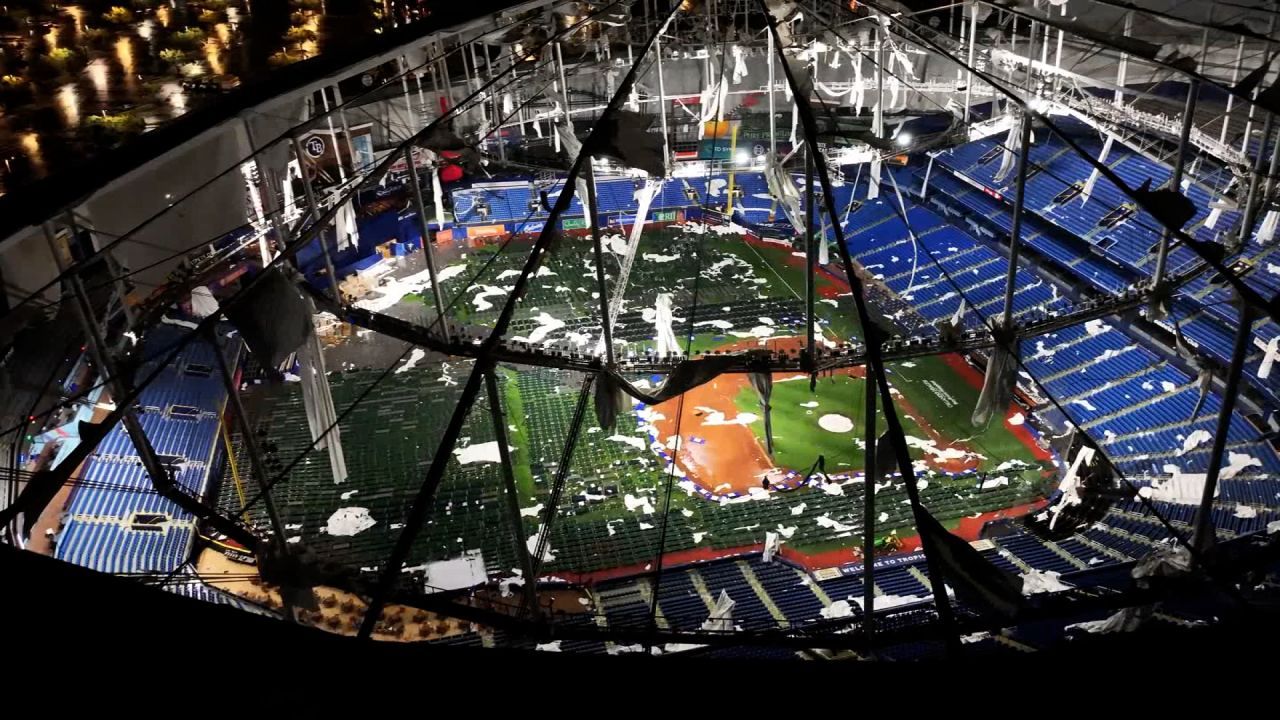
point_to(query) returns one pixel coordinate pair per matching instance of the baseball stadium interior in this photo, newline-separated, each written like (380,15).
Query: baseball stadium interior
(728,330)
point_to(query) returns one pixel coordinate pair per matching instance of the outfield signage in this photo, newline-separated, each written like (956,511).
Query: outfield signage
(880,563)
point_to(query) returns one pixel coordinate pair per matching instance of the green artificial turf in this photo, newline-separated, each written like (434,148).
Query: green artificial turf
(513,411)
(931,386)
(946,399)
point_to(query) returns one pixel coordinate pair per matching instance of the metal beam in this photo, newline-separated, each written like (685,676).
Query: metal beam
(512,496)
(1203,534)
(973,41)
(662,104)
(259,467)
(1175,183)
(557,484)
(877,120)
(424,227)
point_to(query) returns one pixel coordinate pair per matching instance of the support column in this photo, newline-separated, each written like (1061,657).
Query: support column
(1015,233)
(1031,56)
(1251,199)
(333,135)
(1271,171)
(773,119)
(873,187)
(1235,77)
(1175,183)
(662,105)
(1122,68)
(810,252)
(1057,57)
(928,171)
(267,202)
(593,221)
(427,243)
(973,41)
(564,88)
(346,129)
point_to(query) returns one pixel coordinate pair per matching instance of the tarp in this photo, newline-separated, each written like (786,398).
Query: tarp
(273,318)
(662,319)
(625,137)
(997,385)
(784,190)
(317,400)
(992,590)
(608,401)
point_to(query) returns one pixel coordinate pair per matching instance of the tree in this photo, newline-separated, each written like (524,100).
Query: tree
(118,15)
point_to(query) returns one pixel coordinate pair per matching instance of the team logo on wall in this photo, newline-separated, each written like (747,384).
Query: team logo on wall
(315,146)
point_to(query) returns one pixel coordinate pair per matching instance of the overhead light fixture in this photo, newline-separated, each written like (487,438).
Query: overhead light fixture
(904,139)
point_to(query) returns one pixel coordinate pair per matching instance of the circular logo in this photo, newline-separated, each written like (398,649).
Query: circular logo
(759,149)
(315,146)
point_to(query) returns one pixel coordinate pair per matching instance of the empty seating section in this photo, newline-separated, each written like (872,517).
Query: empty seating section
(118,522)
(748,611)
(900,582)
(516,201)
(119,490)
(681,604)
(686,595)
(191,440)
(623,604)
(1137,404)
(1034,553)
(1068,228)
(191,380)
(112,548)
(789,589)
(941,264)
